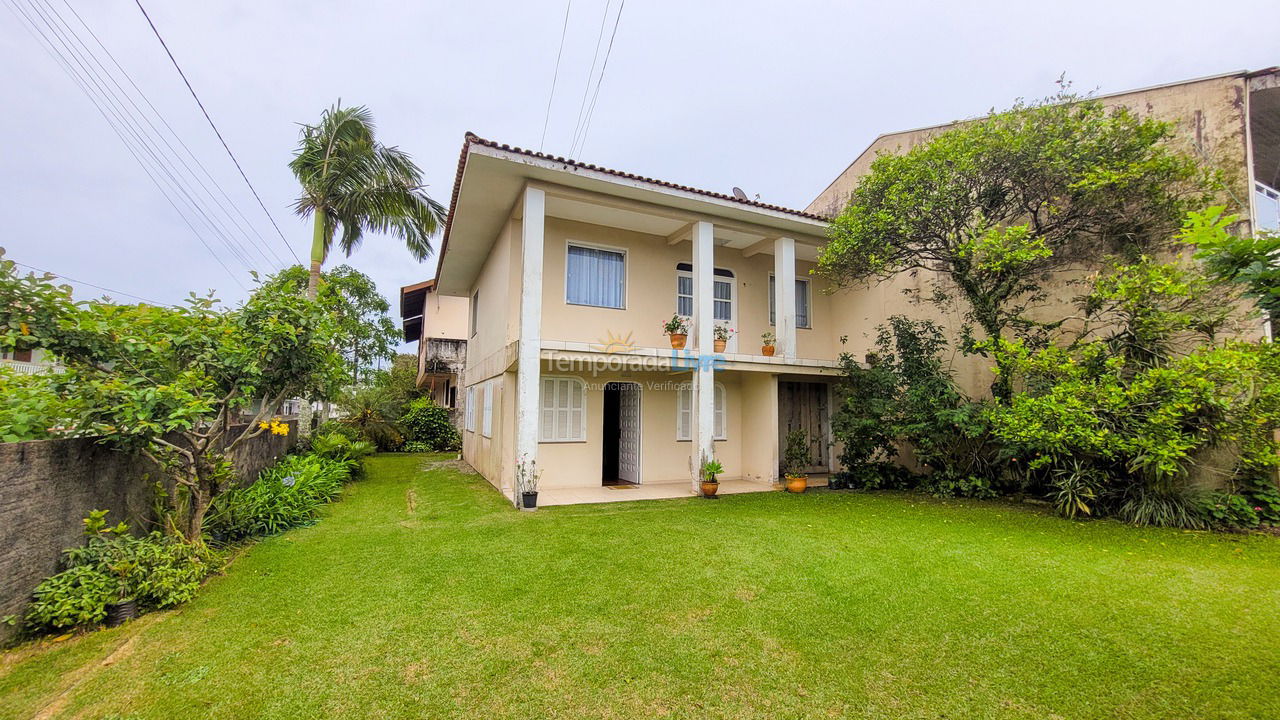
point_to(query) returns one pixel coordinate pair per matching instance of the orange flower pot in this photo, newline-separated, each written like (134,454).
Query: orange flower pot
(720,344)
(677,340)
(710,488)
(767,350)
(797,483)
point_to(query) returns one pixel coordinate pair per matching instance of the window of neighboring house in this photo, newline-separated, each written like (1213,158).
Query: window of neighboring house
(453,397)
(486,428)
(1266,202)
(595,276)
(18,355)
(469,412)
(475,308)
(563,410)
(684,413)
(802,302)
(722,293)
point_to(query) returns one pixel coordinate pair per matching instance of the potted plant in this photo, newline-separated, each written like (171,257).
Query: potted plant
(125,607)
(794,461)
(722,335)
(710,485)
(678,328)
(527,475)
(767,342)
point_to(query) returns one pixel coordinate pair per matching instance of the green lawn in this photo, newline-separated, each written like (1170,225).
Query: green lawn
(423,594)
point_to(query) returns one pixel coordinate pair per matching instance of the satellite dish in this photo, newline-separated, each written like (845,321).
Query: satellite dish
(737,192)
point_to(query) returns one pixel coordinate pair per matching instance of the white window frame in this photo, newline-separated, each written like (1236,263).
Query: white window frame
(469,412)
(773,302)
(556,408)
(626,269)
(720,424)
(475,305)
(486,425)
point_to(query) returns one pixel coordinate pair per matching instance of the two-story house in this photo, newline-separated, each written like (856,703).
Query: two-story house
(438,323)
(571,270)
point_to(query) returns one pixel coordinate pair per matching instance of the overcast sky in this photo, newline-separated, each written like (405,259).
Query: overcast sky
(775,97)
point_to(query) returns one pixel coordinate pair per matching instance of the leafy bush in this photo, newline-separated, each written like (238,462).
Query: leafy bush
(157,571)
(426,425)
(286,495)
(905,395)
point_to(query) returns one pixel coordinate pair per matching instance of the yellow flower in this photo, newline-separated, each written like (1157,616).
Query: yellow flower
(24,328)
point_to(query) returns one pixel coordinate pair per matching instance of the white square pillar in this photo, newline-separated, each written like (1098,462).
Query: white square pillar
(704,343)
(784,295)
(529,353)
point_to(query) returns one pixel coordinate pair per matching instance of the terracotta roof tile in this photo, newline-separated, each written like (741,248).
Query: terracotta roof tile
(473,139)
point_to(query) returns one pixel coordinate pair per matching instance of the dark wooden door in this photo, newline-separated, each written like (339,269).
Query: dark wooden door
(805,406)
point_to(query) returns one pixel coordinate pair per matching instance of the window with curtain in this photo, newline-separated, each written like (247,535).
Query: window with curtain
(802,303)
(563,410)
(595,277)
(469,412)
(684,413)
(722,293)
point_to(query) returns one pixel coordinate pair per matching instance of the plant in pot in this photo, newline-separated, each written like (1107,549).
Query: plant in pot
(710,485)
(112,539)
(768,341)
(125,607)
(722,334)
(527,475)
(678,328)
(794,461)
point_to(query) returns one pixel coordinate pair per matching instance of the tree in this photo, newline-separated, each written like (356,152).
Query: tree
(1250,261)
(352,182)
(364,330)
(165,381)
(997,205)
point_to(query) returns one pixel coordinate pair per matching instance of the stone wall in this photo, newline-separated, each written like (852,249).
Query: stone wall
(48,486)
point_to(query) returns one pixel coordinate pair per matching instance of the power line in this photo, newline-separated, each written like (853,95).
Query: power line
(82,282)
(605,66)
(33,28)
(215,130)
(164,162)
(555,76)
(586,90)
(235,206)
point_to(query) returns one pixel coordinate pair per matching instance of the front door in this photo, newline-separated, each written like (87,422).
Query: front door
(804,406)
(629,432)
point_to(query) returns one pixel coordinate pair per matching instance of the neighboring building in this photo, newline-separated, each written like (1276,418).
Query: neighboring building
(1231,121)
(438,323)
(28,362)
(571,271)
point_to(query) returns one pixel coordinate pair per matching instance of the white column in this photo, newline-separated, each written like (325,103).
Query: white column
(784,294)
(704,339)
(529,357)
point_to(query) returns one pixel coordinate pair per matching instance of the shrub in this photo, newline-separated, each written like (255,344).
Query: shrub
(156,570)
(427,426)
(286,495)
(905,394)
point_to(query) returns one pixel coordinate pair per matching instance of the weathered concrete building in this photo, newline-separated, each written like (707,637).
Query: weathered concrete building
(1230,121)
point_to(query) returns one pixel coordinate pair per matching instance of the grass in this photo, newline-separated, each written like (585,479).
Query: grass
(423,594)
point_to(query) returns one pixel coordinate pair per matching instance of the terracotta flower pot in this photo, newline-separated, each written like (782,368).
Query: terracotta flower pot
(677,340)
(709,489)
(797,483)
(767,350)
(720,344)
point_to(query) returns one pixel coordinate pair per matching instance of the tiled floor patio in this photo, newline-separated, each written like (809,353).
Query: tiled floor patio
(654,491)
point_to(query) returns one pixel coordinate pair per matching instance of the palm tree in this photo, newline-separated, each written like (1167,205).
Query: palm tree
(353,182)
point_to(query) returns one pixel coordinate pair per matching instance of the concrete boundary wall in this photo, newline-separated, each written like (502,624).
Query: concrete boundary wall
(48,486)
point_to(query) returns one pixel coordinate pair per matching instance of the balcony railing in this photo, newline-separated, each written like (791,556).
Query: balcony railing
(29,368)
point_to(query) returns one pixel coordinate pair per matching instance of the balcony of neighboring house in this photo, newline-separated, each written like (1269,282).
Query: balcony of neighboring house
(28,362)
(438,325)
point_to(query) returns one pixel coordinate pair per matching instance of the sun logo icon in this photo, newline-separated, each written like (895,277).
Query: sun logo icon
(612,343)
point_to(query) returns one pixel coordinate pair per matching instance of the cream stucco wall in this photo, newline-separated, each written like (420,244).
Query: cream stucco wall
(444,316)
(651,292)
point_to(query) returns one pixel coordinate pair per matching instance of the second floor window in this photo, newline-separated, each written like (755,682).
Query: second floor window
(802,303)
(722,292)
(596,277)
